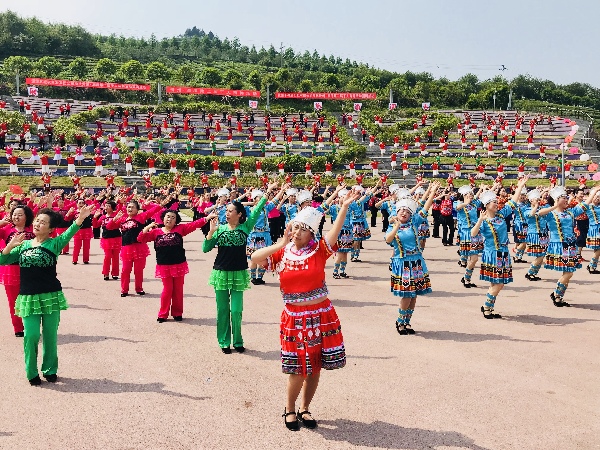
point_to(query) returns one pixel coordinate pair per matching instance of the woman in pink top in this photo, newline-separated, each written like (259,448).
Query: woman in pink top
(171,264)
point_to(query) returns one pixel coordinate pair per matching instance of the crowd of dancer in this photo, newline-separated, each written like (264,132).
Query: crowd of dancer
(35,230)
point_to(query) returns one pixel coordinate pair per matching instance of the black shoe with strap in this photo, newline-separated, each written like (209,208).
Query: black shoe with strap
(401,328)
(409,329)
(308,423)
(293,425)
(487,313)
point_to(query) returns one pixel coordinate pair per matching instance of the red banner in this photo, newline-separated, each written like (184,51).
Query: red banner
(211,91)
(87,84)
(328,95)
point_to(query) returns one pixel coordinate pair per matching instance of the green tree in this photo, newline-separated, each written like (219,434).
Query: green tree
(78,68)
(186,73)
(254,79)
(156,71)
(233,79)
(105,68)
(12,64)
(132,70)
(211,76)
(49,65)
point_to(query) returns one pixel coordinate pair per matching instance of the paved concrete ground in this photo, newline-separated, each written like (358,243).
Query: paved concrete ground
(528,381)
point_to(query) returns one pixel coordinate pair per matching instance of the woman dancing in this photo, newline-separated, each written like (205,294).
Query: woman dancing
(310,332)
(40,297)
(496,266)
(410,277)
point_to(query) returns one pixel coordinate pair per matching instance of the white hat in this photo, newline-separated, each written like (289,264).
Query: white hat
(402,193)
(419,191)
(523,191)
(534,194)
(464,190)
(223,192)
(558,192)
(303,196)
(256,193)
(407,203)
(310,217)
(487,197)
(358,188)
(291,191)
(342,193)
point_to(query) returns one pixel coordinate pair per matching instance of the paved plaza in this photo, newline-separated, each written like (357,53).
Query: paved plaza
(527,381)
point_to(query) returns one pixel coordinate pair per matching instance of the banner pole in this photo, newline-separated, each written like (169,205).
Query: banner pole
(17,83)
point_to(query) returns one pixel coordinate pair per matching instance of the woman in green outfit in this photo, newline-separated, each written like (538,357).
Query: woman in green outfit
(229,276)
(40,297)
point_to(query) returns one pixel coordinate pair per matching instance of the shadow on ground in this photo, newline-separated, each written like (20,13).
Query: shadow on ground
(105,386)
(387,435)
(543,320)
(466,337)
(80,339)
(88,307)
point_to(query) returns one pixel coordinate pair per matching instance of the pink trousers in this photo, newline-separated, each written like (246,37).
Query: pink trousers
(111,258)
(12,291)
(77,247)
(171,297)
(138,266)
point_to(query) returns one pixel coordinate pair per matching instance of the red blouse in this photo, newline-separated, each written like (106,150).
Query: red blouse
(302,277)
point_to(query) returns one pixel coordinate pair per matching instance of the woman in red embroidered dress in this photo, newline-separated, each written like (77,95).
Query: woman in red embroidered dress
(311,337)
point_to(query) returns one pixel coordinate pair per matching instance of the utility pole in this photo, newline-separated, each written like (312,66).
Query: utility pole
(18,83)
(281,55)
(268,96)
(159,92)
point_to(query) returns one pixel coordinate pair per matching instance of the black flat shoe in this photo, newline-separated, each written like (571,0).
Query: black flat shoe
(472,285)
(461,264)
(226,350)
(140,293)
(106,278)
(161,320)
(74,263)
(409,329)
(51,378)
(115,278)
(344,275)
(177,318)
(489,314)
(558,303)
(240,349)
(294,425)
(401,329)
(593,271)
(35,381)
(465,284)
(336,276)
(124,294)
(19,334)
(308,423)
(86,262)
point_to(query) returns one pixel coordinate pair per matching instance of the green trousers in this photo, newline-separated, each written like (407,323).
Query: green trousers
(49,325)
(230,305)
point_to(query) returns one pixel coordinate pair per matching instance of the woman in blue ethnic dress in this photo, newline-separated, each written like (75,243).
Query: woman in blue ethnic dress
(261,233)
(593,237)
(410,277)
(562,249)
(537,233)
(470,246)
(358,218)
(495,262)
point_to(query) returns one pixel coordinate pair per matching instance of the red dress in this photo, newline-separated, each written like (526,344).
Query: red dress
(310,335)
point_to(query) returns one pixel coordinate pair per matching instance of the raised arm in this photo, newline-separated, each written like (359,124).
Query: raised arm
(333,233)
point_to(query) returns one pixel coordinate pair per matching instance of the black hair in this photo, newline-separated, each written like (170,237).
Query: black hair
(550,201)
(460,197)
(28,213)
(55,218)
(177,216)
(240,209)
(135,203)
(112,204)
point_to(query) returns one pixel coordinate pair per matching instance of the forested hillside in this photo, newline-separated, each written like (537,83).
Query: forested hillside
(199,58)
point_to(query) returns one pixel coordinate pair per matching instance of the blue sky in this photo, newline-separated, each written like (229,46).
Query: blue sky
(550,39)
